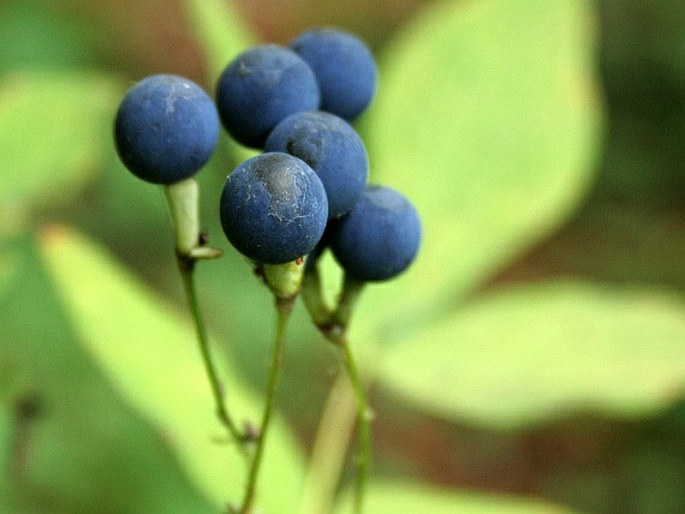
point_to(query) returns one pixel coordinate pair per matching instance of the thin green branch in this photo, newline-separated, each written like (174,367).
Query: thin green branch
(186,268)
(283,308)
(333,324)
(363,428)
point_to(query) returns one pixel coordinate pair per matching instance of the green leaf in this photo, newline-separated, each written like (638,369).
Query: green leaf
(6,428)
(487,118)
(219,28)
(9,266)
(150,355)
(532,353)
(56,39)
(55,127)
(394,497)
(68,444)
(6,435)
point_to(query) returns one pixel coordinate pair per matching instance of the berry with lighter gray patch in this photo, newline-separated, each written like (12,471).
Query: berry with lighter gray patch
(273,208)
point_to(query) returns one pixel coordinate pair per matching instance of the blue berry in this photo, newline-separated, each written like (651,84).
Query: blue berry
(166,129)
(344,68)
(261,87)
(379,238)
(332,149)
(273,208)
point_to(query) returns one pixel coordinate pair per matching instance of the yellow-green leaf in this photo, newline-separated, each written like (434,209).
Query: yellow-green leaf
(487,117)
(150,355)
(55,127)
(531,353)
(221,31)
(397,497)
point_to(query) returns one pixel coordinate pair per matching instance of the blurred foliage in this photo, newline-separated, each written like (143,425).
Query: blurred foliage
(534,348)
(644,69)
(72,445)
(571,338)
(90,284)
(67,115)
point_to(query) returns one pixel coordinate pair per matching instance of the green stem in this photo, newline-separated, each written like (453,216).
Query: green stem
(351,291)
(186,268)
(363,427)
(333,324)
(283,308)
(312,296)
(183,199)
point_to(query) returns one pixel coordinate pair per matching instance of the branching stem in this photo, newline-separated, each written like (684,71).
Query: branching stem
(333,324)
(364,417)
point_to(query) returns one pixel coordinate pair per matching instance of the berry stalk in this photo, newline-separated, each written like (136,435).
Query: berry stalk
(283,308)
(363,428)
(187,275)
(333,325)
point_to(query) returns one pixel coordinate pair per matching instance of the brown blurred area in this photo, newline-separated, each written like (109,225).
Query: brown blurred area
(141,38)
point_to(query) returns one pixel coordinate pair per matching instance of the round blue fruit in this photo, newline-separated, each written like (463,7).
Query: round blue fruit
(379,238)
(344,68)
(261,87)
(332,148)
(166,129)
(273,208)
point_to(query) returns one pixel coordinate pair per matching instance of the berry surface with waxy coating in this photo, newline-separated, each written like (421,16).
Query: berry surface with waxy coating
(261,87)
(273,208)
(344,67)
(334,151)
(379,238)
(166,129)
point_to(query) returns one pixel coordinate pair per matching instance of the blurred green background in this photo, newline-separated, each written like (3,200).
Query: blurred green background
(533,358)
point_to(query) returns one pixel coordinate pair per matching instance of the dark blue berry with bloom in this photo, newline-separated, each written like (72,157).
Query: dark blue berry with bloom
(344,68)
(273,208)
(261,87)
(166,129)
(379,238)
(332,149)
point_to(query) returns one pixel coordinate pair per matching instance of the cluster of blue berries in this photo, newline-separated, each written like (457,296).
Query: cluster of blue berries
(309,186)
(307,191)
